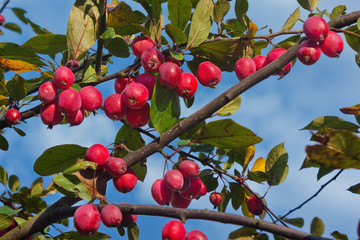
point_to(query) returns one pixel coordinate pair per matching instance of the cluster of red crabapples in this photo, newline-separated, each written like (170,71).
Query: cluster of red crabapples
(320,39)
(175,230)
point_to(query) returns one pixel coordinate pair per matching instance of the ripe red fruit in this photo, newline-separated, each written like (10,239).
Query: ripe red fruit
(98,154)
(91,98)
(63,77)
(189,169)
(316,28)
(115,166)
(50,114)
(121,82)
(148,80)
(208,74)
(75,119)
(203,190)
(128,218)
(126,182)
(140,44)
(2,20)
(160,193)
(114,107)
(69,101)
(140,117)
(177,201)
(333,45)
(194,189)
(173,230)
(174,180)
(47,92)
(259,61)
(72,64)
(87,219)
(169,75)
(244,67)
(254,206)
(273,55)
(13,116)
(308,52)
(151,59)
(215,199)
(358,229)
(195,235)
(187,86)
(135,95)
(185,186)
(111,216)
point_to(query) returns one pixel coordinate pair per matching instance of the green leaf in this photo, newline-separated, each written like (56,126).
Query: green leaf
(225,134)
(14,183)
(5,221)
(189,101)
(323,171)
(58,158)
(258,176)
(230,108)
(221,8)
(19,131)
(352,40)
(331,122)
(121,230)
(244,233)
(17,87)
(241,7)
(179,12)
(291,21)
(82,27)
(37,187)
(90,75)
(317,227)
(3,175)
(175,33)
(164,108)
(200,23)
(5,210)
(338,11)
(209,180)
(297,222)
(355,189)
(177,55)
(309,5)
(225,195)
(20,13)
(276,165)
(80,166)
(133,232)
(71,186)
(339,236)
(13,27)
(14,51)
(109,33)
(4,145)
(47,44)
(77,236)
(237,195)
(357,60)
(117,46)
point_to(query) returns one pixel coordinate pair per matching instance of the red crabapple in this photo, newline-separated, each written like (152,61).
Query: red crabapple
(47,92)
(259,61)
(91,98)
(160,193)
(169,75)
(115,167)
(173,230)
(135,95)
(121,82)
(13,116)
(203,190)
(187,86)
(2,20)
(128,218)
(177,201)
(140,44)
(244,67)
(174,180)
(185,186)
(126,182)
(98,154)
(63,77)
(87,219)
(72,64)
(196,235)
(189,169)
(114,107)
(208,74)
(333,45)
(308,52)
(69,101)
(50,114)
(215,199)
(194,189)
(111,216)
(75,119)
(316,29)
(151,59)
(140,117)
(255,206)
(148,80)
(273,55)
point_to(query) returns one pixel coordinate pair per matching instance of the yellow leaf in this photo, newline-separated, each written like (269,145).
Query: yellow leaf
(18,66)
(252,29)
(3,100)
(250,152)
(259,165)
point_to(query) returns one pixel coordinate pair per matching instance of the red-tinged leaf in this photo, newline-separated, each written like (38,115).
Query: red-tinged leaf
(351,110)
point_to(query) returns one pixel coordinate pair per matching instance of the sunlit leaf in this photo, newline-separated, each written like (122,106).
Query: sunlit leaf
(221,8)
(291,21)
(14,51)
(179,12)
(80,166)
(230,108)
(5,221)
(133,232)
(70,185)
(338,11)
(276,165)
(317,227)
(353,39)
(18,66)
(14,183)
(297,222)
(5,210)
(77,236)
(13,27)
(37,187)
(259,165)
(175,33)
(47,43)
(331,122)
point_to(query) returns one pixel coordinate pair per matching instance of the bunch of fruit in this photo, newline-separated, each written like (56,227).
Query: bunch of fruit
(175,230)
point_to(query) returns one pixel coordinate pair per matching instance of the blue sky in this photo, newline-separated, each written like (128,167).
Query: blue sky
(274,110)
